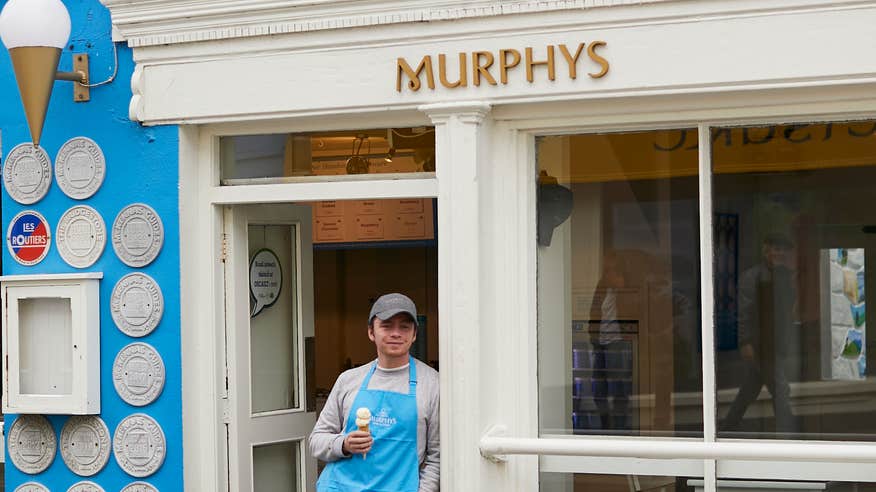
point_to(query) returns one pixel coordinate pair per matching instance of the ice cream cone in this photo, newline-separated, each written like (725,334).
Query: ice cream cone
(364,428)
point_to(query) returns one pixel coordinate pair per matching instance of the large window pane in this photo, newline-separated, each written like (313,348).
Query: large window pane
(254,158)
(794,235)
(618,284)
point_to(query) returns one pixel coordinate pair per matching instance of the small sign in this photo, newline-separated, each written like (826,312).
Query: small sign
(28,238)
(85,487)
(139,445)
(138,235)
(265,280)
(139,487)
(31,487)
(85,445)
(32,444)
(27,173)
(137,304)
(80,168)
(138,374)
(81,236)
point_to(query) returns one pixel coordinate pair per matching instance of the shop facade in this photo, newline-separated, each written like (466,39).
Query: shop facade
(649,219)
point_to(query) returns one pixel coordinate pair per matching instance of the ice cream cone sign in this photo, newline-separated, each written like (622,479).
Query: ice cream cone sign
(363,420)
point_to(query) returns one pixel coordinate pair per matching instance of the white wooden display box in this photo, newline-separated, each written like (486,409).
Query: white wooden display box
(51,343)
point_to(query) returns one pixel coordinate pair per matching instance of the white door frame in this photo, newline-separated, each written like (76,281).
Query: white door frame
(205,387)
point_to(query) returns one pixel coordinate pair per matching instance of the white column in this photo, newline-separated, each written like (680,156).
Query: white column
(460,147)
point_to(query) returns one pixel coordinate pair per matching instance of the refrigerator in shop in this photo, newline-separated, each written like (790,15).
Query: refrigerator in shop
(604,376)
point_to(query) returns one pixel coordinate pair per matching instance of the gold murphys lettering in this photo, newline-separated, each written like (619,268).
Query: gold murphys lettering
(603,63)
(479,70)
(505,65)
(530,62)
(414,82)
(462,81)
(481,63)
(572,60)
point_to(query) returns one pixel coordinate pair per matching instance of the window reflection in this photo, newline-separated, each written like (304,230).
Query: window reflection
(246,158)
(791,321)
(618,282)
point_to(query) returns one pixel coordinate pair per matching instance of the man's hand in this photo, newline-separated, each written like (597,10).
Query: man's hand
(358,442)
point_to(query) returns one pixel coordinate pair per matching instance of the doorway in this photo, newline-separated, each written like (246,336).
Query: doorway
(300,280)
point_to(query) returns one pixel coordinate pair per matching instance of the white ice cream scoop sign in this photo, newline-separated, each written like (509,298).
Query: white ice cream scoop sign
(265,279)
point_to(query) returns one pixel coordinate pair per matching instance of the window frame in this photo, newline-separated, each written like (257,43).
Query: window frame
(710,469)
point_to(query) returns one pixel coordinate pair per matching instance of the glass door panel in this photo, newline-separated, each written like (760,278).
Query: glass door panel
(274,319)
(275,467)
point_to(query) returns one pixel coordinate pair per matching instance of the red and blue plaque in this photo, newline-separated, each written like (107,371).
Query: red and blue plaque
(28,238)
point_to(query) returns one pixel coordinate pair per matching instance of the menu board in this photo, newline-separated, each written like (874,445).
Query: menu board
(353,221)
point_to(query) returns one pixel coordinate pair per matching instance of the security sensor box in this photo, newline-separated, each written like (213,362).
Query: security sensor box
(51,343)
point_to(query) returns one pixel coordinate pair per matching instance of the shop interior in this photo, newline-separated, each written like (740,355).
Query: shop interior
(361,248)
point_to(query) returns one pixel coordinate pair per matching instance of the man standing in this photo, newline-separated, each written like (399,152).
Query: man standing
(400,449)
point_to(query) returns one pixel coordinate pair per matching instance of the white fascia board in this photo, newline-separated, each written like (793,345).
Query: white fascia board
(156,22)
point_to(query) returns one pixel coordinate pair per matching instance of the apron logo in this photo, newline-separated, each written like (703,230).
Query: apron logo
(382,419)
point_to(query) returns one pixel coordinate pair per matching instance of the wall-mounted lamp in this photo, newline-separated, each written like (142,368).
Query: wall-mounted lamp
(35,32)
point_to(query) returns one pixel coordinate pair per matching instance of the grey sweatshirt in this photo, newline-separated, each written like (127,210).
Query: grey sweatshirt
(327,438)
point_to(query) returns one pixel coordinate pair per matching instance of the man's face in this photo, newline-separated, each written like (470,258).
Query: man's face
(393,337)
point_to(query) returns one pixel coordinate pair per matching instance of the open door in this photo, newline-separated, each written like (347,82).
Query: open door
(269,324)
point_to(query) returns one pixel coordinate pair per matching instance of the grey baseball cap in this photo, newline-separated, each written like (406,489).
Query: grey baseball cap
(388,305)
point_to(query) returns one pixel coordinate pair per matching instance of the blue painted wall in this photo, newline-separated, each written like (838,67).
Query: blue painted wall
(142,166)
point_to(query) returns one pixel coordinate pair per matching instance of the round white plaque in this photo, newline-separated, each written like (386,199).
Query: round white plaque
(85,487)
(137,304)
(85,445)
(31,487)
(139,445)
(32,443)
(140,487)
(81,236)
(137,235)
(80,167)
(138,374)
(27,173)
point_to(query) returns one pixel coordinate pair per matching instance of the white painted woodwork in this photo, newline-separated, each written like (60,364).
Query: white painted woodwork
(51,343)
(460,146)
(250,426)
(664,48)
(212,67)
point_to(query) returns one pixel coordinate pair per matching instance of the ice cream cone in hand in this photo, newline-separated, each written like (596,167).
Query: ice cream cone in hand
(363,420)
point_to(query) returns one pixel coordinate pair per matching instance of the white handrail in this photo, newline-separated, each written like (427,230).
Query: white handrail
(494,447)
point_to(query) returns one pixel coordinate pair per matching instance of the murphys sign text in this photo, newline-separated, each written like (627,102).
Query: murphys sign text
(487,67)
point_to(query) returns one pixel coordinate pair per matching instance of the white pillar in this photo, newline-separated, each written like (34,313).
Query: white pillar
(460,148)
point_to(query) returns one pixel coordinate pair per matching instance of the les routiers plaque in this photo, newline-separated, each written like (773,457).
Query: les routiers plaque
(353,221)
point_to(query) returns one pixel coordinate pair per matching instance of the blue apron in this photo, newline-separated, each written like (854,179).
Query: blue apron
(392,465)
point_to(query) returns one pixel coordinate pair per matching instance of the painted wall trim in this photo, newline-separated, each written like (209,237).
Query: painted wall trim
(149,23)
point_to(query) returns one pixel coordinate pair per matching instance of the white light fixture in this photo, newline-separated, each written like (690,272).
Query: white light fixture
(35,32)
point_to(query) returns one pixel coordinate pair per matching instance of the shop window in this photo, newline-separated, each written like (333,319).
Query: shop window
(284,157)
(795,234)
(618,285)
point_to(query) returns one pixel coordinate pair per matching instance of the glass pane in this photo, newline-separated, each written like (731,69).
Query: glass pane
(618,284)
(275,467)
(784,486)
(388,150)
(45,334)
(580,482)
(796,212)
(274,317)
